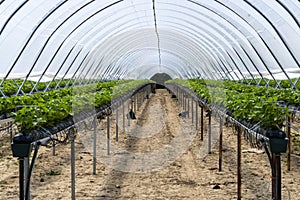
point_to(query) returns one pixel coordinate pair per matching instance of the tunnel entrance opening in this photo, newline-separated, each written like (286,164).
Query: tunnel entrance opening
(160,79)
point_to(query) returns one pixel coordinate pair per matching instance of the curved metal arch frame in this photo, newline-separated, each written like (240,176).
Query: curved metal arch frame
(163,50)
(12,15)
(262,39)
(276,30)
(226,54)
(112,48)
(27,42)
(31,35)
(69,35)
(123,61)
(247,40)
(149,75)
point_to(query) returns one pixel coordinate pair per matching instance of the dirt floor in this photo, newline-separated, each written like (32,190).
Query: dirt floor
(159,156)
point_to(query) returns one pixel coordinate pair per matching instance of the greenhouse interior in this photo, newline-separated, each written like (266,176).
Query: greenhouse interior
(150,99)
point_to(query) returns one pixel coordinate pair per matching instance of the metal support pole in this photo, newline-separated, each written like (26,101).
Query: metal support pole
(209,133)
(138,101)
(197,116)
(274,176)
(239,174)
(182,99)
(26,173)
(29,171)
(108,135)
(21,178)
(185,101)
(128,115)
(53,149)
(117,122)
(201,124)
(72,135)
(220,144)
(278,177)
(188,107)
(123,112)
(192,110)
(95,146)
(288,126)
(135,103)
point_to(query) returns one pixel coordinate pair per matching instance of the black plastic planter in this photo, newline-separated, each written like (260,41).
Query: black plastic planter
(21,150)
(21,145)
(278,141)
(278,145)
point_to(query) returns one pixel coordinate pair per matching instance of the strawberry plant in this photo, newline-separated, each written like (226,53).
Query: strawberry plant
(49,108)
(9,87)
(245,102)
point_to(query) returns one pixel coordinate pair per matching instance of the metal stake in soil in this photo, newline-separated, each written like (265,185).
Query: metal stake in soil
(21,178)
(95,146)
(72,135)
(209,133)
(117,122)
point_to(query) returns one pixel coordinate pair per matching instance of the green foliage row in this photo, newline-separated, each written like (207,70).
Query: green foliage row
(285,84)
(48,108)
(10,86)
(246,102)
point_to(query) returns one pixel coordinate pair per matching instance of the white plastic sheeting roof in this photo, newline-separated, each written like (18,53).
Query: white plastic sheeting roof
(228,39)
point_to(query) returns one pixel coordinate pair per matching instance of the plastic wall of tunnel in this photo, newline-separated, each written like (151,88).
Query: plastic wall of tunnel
(88,39)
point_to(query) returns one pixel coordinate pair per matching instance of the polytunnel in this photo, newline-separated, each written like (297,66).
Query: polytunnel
(119,39)
(67,64)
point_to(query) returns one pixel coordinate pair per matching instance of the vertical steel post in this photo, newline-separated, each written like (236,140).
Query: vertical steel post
(185,101)
(278,176)
(209,133)
(220,144)
(123,112)
(288,126)
(188,107)
(192,110)
(117,122)
(135,103)
(138,101)
(128,114)
(197,116)
(274,176)
(202,123)
(26,173)
(21,178)
(182,99)
(239,174)
(71,132)
(53,149)
(108,135)
(95,146)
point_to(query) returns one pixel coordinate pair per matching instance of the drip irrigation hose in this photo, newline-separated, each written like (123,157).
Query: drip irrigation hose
(264,143)
(27,197)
